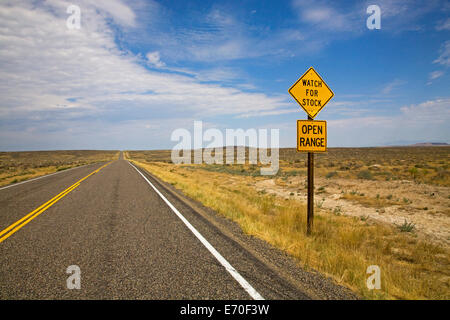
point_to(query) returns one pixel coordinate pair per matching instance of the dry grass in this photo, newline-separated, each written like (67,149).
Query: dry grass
(20,166)
(342,247)
(428,165)
(375,202)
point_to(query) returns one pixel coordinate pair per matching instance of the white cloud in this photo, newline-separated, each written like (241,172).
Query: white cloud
(392,85)
(434,75)
(424,122)
(323,15)
(444,54)
(154,59)
(404,15)
(52,77)
(443,25)
(432,111)
(119,11)
(396,15)
(271,113)
(217,75)
(222,36)
(116,10)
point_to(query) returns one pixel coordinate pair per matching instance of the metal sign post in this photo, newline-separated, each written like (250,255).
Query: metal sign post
(310,206)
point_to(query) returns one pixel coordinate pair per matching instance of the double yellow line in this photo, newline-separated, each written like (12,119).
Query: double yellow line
(6,233)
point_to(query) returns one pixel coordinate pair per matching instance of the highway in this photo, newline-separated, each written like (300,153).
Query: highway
(134,237)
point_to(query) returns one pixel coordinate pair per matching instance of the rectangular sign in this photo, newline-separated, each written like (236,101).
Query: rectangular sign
(311,136)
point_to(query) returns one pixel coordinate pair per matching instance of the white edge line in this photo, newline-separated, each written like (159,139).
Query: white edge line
(244,284)
(44,176)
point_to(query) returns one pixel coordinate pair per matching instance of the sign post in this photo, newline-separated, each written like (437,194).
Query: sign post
(310,205)
(312,93)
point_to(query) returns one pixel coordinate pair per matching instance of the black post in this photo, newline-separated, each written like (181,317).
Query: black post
(310,218)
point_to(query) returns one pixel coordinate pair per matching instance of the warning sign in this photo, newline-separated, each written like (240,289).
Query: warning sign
(311,136)
(311,92)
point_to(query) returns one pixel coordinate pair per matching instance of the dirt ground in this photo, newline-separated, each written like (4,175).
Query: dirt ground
(426,206)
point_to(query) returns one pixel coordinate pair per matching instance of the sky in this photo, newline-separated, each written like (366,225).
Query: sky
(135,71)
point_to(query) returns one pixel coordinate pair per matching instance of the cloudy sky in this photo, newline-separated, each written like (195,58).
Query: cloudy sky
(137,70)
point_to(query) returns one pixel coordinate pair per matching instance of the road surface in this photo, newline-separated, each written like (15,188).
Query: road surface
(129,243)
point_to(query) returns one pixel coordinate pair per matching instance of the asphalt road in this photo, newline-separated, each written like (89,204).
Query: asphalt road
(129,244)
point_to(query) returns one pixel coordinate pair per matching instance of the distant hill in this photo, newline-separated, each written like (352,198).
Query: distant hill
(430,144)
(419,144)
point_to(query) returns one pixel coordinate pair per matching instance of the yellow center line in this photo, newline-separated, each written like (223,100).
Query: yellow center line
(49,202)
(6,233)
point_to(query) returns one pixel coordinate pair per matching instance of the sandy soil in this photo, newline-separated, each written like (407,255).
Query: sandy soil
(426,206)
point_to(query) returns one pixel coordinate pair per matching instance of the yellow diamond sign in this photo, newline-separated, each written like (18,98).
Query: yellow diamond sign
(311,92)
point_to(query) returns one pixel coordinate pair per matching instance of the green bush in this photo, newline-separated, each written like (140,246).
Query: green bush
(407,227)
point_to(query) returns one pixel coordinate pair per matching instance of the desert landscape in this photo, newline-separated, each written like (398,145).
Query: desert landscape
(388,207)
(225,159)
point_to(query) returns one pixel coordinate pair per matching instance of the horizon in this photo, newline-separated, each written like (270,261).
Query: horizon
(415,145)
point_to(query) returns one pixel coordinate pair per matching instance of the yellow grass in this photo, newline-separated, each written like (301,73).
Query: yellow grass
(375,202)
(342,247)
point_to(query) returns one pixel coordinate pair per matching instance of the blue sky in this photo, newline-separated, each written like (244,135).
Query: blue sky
(137,70)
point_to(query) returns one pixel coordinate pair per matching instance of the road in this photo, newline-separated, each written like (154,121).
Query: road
(129,243)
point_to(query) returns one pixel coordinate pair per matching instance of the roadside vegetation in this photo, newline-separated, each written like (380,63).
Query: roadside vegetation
(20,166)
(429,165)
(376,201)
(341,246)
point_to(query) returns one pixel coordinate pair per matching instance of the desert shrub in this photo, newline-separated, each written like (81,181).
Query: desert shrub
(331,174)
(337,210)
(414,172)
(365,174)
(294,173)
(407,227)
